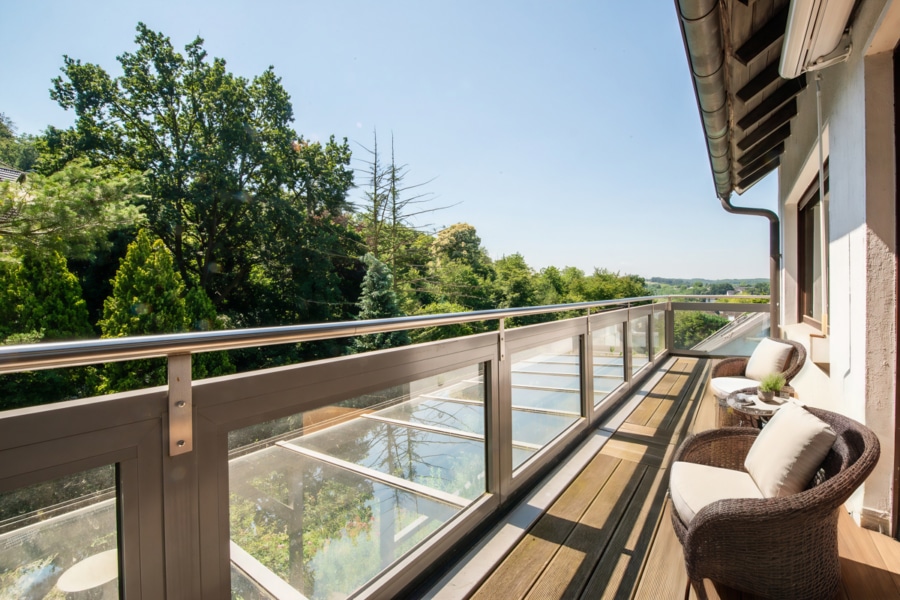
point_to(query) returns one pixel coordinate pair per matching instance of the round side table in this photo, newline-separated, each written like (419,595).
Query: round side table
(91,573)
(750,409)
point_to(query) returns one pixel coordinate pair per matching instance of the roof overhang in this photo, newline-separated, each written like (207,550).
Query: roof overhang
(734,49)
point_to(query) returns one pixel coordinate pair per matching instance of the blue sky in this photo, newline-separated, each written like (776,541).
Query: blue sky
(566,131)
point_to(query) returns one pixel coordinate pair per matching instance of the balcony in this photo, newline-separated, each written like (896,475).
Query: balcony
(359,476)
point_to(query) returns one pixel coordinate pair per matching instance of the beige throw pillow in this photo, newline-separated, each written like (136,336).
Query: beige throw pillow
(768,357)
(788,451)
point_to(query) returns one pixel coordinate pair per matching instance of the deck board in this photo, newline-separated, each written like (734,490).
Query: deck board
(609,534)
(575,561)
(538,547)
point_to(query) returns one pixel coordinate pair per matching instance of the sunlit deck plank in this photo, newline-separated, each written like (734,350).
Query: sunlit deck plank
(671,383)
(575,560)
(863,569)
(538,547)
(662,577)
(620,566)
(562,557)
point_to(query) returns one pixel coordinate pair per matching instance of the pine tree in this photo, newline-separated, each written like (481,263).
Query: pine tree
(378,301)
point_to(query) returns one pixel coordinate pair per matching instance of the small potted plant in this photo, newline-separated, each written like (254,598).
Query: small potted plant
(769,386)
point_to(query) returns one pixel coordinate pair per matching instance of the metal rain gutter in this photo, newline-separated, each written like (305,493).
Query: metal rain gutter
(701,29)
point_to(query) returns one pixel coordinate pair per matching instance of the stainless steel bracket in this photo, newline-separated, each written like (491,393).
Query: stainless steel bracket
(181,410)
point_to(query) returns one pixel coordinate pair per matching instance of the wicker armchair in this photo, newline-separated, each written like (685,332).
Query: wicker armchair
(737,366)
(776,547)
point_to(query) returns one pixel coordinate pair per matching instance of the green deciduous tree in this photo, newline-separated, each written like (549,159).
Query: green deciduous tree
(442,332)
(692,327)
(460,243)
(514,286)
(218,148)
(17,151)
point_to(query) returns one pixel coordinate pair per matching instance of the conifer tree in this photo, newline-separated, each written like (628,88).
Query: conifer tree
(51,298)
(378,301)
(149,297)
(40,300)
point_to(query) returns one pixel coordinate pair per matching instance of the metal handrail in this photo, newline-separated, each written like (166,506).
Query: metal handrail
(29,357)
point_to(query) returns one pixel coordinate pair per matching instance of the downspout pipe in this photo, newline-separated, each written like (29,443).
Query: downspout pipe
(774,258)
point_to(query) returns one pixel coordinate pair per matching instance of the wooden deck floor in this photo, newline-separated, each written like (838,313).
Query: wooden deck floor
(609,535)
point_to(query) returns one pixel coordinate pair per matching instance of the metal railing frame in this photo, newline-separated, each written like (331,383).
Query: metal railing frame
(162,486)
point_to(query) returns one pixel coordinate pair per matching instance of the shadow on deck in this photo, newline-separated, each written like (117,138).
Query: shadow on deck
(608,534)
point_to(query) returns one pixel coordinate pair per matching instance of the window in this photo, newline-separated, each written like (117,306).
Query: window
(810,249)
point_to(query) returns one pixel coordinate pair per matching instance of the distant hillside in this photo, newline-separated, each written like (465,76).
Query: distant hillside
(690,282)
(662,286)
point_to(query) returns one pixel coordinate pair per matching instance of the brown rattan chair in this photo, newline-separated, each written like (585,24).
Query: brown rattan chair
(737,366)
(776,547)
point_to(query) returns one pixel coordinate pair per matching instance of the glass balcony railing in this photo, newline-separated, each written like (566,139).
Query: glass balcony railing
(318,480)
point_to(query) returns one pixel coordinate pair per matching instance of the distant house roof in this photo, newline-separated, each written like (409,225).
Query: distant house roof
(10,174)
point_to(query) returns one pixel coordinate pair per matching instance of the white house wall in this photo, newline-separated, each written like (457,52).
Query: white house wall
(858,109)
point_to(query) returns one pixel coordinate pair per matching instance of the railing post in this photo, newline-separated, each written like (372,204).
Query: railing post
(626,345)
(502,409)
(587,369)
(670,327)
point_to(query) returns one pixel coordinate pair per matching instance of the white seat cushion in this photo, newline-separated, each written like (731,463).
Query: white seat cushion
(788,451)
(723,386)
(768,357)
(694,486)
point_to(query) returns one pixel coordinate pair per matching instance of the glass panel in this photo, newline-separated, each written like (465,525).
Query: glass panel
(546,395)
(659,331)
(440,461)
(58,539)
(351,487)
(609,363)
(720,332)
(640,355)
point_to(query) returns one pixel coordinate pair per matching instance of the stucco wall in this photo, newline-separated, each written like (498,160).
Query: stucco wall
(857,103)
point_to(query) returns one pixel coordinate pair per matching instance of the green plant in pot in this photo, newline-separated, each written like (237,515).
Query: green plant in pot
(770,385)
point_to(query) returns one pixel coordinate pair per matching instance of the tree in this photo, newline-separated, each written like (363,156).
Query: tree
(40,299)
(386,221)
(146,299)
(378,301)
(443,332)
(514,286)
(51,299)
(458,283)
(71,211)
(460,243)
(149,297)
(17,151)
(222,158)
(719,289)
(606,285)
(692,327)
